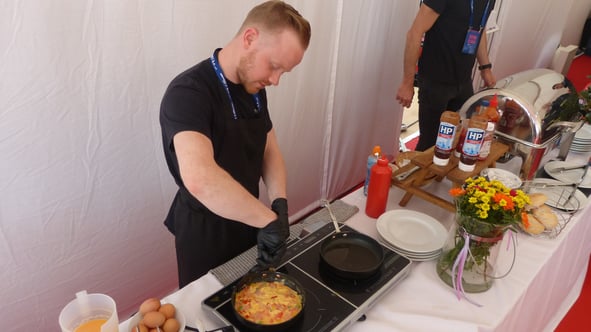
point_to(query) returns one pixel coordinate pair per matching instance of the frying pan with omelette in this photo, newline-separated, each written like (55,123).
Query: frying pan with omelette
(268,301)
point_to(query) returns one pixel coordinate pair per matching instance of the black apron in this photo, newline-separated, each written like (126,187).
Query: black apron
(204,240)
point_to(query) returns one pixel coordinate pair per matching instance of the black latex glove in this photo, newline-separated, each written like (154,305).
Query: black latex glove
(272,239)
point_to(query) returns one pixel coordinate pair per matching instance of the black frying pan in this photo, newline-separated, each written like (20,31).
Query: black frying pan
(350,255)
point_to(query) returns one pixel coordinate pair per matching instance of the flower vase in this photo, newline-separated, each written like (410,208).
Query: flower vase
(474,264)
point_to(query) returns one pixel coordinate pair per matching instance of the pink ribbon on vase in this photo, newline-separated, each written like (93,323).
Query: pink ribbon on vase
(458,268)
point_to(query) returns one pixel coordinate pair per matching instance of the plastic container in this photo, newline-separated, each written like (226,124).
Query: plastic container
(472,142)
(89,313)
(492,113)
(445,137)
(376,153)
(379,187)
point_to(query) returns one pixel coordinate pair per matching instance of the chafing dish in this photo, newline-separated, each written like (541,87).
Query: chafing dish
(532,122)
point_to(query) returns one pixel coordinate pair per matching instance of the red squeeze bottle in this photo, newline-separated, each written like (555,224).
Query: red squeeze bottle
(379,186)
(492,114)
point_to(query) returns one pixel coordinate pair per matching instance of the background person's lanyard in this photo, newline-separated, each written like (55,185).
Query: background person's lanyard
(483,20)
(473,35)
(220,75)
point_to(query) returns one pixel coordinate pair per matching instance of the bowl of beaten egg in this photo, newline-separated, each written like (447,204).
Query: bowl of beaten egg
(268,301)
(154,315)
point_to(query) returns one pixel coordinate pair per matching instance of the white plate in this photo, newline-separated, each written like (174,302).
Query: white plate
(417,257)
(580,147)
(584,133)
(507,178)
(412,253)
(411,231)
(558,194)
(580,150)
(569,175)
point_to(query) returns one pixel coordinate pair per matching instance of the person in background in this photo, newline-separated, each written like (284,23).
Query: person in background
(219,142)
(453,36)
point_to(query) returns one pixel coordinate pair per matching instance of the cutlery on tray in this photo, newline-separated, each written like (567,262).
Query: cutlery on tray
(567,168)
(543,184)
(402,176)
(577,184)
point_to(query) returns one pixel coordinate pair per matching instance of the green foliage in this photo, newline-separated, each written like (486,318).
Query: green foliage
(577,105)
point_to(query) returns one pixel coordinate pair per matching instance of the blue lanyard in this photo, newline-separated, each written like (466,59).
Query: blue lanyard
(222,78)
(483,20)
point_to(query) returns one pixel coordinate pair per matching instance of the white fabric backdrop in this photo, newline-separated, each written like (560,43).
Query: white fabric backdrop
(83,185)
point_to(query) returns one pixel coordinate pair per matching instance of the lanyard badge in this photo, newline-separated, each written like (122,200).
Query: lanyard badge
(473,35)
(471,41)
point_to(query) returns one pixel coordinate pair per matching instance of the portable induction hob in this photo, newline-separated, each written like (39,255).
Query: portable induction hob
(332,303)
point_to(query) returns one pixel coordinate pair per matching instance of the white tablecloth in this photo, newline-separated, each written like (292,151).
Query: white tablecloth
(544,282)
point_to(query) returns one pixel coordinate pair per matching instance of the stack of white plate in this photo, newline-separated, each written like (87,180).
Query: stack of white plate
(412,234)
(582,140)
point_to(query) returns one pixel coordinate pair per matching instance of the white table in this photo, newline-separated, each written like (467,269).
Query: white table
(546,279)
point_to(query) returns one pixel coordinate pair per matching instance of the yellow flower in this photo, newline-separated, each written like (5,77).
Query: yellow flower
(490,201)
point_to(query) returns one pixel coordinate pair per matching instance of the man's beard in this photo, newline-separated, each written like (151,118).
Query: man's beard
(245,66)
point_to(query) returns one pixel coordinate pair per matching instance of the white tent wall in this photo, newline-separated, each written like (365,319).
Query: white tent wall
(531,31)
(83,183)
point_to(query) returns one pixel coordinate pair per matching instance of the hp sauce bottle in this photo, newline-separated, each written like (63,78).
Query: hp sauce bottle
(445,137)
(472,142)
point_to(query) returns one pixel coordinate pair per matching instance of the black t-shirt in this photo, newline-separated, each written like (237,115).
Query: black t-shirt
(197,101)
(442,59)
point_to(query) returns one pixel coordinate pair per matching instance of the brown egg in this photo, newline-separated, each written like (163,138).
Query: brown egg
(152,304)
(168,310)
(153,319)
(171,325)
(139,328)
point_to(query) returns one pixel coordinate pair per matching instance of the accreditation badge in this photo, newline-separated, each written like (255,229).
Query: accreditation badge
(471,41)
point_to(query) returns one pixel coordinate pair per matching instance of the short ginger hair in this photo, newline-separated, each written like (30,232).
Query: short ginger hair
(276,15)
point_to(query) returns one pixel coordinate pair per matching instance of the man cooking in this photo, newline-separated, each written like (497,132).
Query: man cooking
(219,142)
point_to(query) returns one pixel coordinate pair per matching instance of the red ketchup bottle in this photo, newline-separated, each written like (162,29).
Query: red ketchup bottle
(462,136)
(379,186)
(492,114)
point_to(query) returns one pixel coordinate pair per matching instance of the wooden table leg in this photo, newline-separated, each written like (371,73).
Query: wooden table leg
(405,199)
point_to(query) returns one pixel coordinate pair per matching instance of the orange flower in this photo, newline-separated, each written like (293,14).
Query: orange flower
(457,191)
(524,220)
(505,201)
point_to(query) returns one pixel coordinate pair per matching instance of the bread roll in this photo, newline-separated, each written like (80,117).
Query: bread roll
(534,226)
(536,200)
(546,216)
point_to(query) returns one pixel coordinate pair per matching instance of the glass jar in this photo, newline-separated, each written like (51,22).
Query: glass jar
(478,258)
